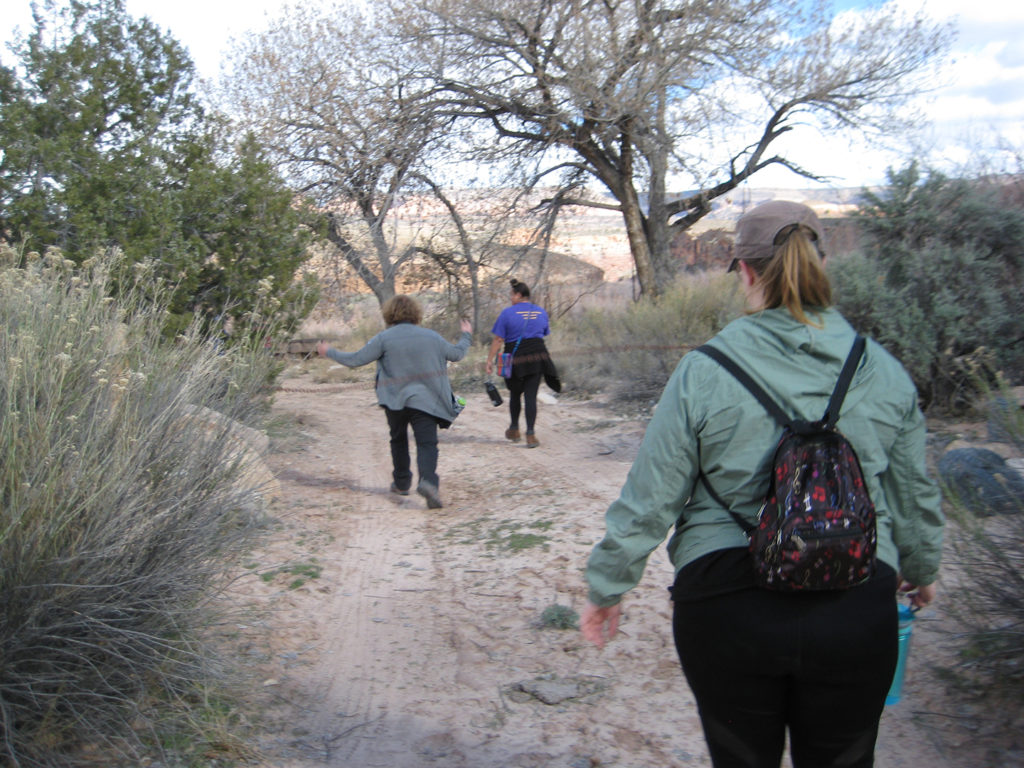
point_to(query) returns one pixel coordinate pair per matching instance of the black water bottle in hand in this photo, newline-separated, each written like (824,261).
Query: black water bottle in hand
(492,392)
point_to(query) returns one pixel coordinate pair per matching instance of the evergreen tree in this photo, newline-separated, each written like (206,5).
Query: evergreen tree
(107,146)
(938,279)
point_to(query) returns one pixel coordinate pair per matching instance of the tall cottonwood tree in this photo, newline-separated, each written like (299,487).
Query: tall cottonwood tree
(638,94)
(334,114)
(329,93)
(331,103)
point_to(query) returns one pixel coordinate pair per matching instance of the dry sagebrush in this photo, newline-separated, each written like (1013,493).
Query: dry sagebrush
(987,596)
(119,508)
(630,350)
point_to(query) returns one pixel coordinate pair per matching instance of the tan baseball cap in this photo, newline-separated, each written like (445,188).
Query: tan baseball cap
(765,226)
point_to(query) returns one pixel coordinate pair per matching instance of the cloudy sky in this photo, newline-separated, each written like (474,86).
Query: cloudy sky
(975,113)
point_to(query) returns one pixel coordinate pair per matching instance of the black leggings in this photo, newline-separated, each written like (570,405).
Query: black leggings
(820,664)
(525,387)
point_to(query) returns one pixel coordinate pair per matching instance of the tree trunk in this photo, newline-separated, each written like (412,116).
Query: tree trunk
(383,289)
(636,234)
(657,154)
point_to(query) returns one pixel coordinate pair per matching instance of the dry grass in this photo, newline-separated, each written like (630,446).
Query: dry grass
(630,349)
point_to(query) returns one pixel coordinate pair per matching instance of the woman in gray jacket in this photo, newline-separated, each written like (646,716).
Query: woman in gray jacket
(412,388)
(762,662)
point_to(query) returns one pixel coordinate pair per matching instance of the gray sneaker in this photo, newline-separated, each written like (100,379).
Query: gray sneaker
(399,491)
(429,492)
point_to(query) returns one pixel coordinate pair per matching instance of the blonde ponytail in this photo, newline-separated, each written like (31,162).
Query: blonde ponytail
(794,276)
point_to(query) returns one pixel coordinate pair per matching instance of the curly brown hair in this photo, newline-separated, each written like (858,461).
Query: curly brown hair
(401,309)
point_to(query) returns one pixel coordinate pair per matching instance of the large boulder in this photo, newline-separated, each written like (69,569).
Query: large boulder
(245,445)
(982,481)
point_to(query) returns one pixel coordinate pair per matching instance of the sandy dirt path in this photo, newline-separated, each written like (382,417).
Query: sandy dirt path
(419,642)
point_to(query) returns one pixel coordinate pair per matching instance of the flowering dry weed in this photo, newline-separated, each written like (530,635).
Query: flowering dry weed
(119,512)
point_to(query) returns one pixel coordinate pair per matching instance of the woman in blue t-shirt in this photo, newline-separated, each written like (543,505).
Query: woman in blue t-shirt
(520,329)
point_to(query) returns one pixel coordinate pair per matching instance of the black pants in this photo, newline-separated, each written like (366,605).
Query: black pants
(424,430)
(524,388)
(819,664)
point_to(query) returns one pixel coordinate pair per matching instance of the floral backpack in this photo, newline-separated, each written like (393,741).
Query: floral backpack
(816,526)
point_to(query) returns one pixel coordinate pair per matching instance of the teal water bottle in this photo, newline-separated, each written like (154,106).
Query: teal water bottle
(906,618)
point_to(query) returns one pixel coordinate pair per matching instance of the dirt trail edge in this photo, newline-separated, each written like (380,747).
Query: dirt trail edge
(395,636)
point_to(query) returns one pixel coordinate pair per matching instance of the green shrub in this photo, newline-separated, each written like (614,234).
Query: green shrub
(938,281)
(125,487)
(559,617)
(940,325)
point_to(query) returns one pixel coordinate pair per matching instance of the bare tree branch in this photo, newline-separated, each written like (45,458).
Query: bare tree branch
(641,92)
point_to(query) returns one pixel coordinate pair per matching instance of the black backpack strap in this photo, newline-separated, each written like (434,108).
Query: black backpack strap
(744,378)
(829,419)
(762,397)
(747,527)
(835,403)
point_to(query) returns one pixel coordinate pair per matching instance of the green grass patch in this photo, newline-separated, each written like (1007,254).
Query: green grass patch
(559,617)
(505,536)
(468,532)
(516,541)
(508,537)
(303,572)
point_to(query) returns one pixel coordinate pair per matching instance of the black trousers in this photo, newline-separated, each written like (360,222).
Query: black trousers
(819,664)
(525,389)
(424,430)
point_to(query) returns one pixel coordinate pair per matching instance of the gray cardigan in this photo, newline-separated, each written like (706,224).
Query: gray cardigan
(412,367)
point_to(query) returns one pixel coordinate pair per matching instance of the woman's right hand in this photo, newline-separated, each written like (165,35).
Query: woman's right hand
(489,367)
(599,625)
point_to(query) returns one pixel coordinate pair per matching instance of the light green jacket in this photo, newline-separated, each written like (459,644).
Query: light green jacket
(706,420)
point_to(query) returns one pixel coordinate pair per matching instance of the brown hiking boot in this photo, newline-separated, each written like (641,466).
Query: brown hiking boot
(531,440)
(512,434)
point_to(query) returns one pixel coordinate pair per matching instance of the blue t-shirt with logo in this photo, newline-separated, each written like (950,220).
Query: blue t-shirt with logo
(523,320)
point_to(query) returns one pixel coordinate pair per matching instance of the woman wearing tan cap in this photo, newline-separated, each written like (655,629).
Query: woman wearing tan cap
(763,662)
